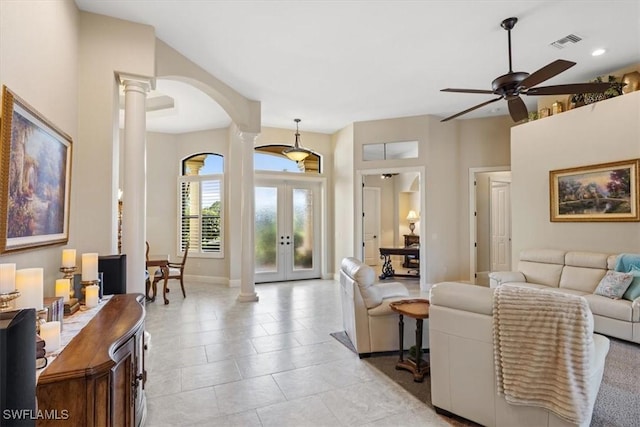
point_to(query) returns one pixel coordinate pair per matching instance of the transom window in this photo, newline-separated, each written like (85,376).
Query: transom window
(270,158)
(201,205)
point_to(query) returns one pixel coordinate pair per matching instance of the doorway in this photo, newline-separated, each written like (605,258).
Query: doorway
(371,224)
(490,222)
(398,191)
(287,230)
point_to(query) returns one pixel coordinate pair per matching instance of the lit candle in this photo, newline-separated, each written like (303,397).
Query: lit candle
(68,258)
(91,296)
(50,333)
(7,278)
(63,287)
(89,267)
(29,283)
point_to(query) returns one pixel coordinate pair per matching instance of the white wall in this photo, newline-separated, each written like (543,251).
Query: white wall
(38,61)
(343,187)
(606,131)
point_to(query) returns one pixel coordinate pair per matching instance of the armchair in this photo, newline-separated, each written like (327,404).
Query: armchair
(368,320)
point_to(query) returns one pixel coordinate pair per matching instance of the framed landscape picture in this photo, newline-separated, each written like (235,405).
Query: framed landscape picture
(35,160)
(603,192)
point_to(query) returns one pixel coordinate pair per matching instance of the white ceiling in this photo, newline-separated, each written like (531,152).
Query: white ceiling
(332,63)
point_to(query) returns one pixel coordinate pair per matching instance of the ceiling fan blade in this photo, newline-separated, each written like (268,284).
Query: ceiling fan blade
(470,109)
(517,109)
(489,92)
(570,89)
(546,72)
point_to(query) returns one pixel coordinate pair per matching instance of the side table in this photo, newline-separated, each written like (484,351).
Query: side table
(417,309)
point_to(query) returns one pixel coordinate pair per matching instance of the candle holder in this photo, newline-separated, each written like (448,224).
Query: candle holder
(85,283)
(72,305)
(6,298)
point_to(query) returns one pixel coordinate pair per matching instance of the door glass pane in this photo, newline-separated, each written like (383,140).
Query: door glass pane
(266,230)
(302,229)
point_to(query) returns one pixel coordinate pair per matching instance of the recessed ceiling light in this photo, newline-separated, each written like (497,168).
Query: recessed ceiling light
(598,52)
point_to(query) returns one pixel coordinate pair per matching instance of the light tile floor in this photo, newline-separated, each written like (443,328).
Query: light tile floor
(214,361)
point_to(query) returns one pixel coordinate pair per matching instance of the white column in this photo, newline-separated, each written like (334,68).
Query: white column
(247,215)
(134,188)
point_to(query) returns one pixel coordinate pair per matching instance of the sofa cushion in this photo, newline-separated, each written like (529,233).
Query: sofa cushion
(544,274)
(614,284)
(361,273)
(586,259)
(618,309)
(546,256)
(581,278)
(633,291)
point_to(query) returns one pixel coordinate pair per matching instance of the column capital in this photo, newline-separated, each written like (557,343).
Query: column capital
(247,137)
(143,82)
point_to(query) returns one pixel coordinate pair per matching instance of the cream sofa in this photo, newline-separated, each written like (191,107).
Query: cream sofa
(577,273)
(368,320)
(463,378)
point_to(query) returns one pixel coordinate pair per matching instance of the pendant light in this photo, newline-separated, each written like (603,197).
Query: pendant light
(296,153)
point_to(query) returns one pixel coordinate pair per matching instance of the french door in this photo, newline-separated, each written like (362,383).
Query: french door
(287,230)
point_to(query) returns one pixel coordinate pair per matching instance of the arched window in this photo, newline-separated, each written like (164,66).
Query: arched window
(270,158)
(201,205)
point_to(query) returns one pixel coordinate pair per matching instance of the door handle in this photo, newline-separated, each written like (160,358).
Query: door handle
(375,237)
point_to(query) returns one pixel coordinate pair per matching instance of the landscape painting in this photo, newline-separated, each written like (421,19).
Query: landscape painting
(36,172)
(603,192)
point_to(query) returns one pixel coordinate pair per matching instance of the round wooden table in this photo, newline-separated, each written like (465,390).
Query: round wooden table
(417,309)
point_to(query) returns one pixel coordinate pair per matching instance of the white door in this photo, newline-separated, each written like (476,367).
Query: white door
(500,226)
(371,224)
(287,230)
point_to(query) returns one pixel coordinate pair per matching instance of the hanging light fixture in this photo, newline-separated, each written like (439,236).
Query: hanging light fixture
(296,153)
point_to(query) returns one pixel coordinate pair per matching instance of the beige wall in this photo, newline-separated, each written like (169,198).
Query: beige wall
(606,131)
(38,61)
(447,150)
(343,189)
(106,46)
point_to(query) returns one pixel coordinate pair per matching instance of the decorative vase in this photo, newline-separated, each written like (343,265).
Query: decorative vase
(632,81)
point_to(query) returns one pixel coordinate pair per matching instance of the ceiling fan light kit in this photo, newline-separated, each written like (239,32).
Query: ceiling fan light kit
(513,84)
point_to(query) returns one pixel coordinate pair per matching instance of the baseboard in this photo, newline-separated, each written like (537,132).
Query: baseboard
(207,279)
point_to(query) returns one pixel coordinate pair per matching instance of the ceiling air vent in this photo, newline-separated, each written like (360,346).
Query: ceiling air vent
(561,43)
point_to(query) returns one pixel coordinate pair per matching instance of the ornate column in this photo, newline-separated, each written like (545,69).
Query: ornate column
(134,188)
(247,282)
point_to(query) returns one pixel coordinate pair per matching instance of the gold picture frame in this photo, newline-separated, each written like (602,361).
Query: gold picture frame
(35,158)
(597,193)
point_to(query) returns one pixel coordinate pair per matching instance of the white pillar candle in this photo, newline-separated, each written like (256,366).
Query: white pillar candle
(29,282)
(68,258)
(7,278)
(91,296)
(89,267)
(50,333)
(63,287)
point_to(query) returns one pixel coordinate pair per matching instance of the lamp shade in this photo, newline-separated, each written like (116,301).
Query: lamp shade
(412,216)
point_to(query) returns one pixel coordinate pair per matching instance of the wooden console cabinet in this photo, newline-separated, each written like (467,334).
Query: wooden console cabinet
(98,379)
(410,261)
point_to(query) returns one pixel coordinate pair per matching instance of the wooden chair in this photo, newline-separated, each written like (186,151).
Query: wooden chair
(175,271)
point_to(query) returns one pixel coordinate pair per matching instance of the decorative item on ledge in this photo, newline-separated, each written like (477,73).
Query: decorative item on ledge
(71,304)
(631,81)
(580,99)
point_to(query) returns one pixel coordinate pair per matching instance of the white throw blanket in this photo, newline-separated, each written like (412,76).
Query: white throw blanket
(542,344)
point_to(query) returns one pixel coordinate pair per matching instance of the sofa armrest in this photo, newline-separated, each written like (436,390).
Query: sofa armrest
(392,289)
(496,278)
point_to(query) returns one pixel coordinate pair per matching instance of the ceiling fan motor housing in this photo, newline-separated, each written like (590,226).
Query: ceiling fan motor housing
(509,84)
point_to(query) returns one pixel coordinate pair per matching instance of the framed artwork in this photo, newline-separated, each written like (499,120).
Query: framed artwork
(35,159)
(603,192)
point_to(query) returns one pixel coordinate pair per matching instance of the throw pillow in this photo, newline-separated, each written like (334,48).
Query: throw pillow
(614,284)
(633,291)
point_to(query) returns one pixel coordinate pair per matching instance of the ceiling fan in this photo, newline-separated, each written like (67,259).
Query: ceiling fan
(513,84)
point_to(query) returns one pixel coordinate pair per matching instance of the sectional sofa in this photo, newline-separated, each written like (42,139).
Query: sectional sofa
(577,273)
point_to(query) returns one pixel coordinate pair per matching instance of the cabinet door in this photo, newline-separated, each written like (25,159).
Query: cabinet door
(122,379)
(140,377)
